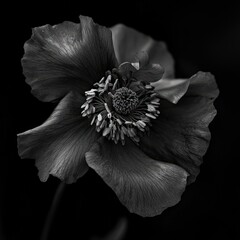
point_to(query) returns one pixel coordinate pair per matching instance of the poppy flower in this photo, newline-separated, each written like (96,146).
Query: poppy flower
(120,112)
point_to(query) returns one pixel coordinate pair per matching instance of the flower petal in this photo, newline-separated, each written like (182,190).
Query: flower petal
(128,42)
(180,134)
(203,84)
(149,73)
(171,89)
(126,68)
(59,144)
(143,185)
(142,58)
(67,56)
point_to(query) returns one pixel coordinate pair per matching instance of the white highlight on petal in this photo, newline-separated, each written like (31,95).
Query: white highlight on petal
(67,46)
(136,65)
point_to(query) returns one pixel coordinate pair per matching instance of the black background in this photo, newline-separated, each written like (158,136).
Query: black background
(201,36)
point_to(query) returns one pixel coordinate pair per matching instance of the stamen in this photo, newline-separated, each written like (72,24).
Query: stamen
(119,121)
(124,130)
(141,124)
(149,87)
(99,117)
(115,84)
(155,103)
(102,79)
(107,108)
(93,119)
(103,124)
(151,108)
(106,131)
(121,106)
(150,115)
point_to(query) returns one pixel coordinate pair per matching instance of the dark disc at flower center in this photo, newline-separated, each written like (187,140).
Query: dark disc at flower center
(124,100)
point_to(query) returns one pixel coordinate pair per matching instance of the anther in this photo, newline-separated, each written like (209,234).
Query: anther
(121,107)
(99,117)
(93,119)
(151,108)
(107,108)
(150,115)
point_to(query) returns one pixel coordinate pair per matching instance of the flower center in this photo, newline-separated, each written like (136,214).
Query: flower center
(124,100)
(121,106)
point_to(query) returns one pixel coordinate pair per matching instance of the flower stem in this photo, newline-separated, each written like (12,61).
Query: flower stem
(51,213)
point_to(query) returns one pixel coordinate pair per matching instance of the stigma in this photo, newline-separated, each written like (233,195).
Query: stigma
(121,107)
(124,100)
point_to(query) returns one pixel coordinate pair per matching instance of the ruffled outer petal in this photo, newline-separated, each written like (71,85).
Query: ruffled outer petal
(59,145)
(67,56)
(180,134)
(129,42)
(145,186)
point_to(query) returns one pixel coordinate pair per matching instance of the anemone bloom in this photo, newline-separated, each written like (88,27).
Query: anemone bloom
(120,112)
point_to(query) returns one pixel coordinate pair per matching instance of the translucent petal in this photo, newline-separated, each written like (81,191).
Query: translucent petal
(171,89)
(129,42)
(145,186)
(180,134)
(59,145)
(66,57)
